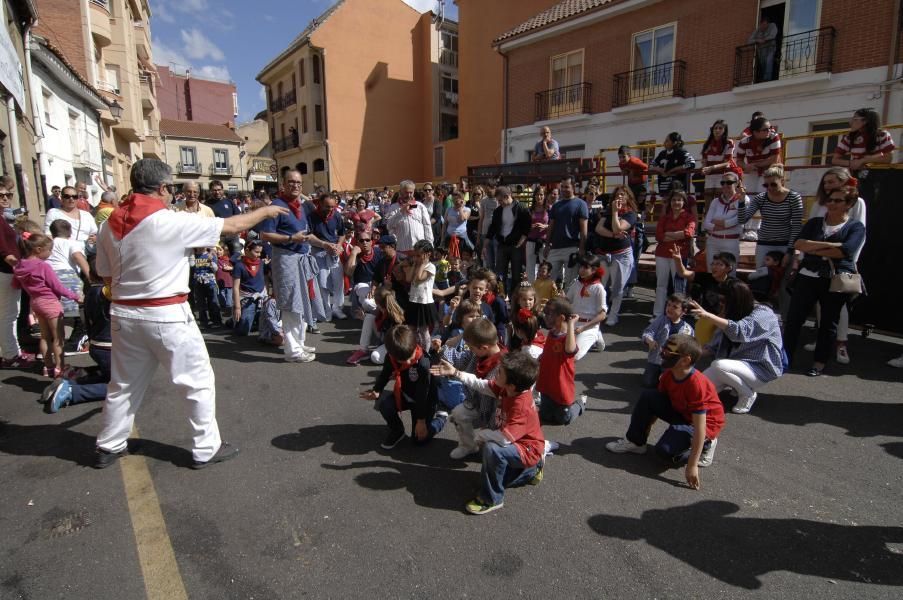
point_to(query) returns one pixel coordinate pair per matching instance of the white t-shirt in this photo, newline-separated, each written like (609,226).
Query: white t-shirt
(151,261)
(61,256)
(487,205)
(82,227)
(422,293)
(587,307)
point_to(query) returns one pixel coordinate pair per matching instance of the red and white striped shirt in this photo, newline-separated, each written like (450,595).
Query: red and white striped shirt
(857,147)
(753,150)
(715,154)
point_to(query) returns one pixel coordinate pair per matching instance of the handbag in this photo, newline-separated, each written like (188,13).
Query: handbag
(845,283)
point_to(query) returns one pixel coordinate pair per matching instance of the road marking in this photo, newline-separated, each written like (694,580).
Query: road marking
(162,579)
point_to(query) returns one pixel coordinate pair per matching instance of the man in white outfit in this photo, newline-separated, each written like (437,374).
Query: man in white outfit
(142,254)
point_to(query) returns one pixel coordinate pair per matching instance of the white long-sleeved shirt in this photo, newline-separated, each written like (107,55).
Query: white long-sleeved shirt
(718,210)
(409,227)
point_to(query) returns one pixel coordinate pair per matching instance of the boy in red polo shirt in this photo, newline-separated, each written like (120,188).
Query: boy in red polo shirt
(555,383)
(688,401)
(512,454)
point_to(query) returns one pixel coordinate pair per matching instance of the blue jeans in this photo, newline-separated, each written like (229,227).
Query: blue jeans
(206,303)
(92,388)
(386,407)
(502,468)
(674,445)
(552,412)
(225,297)
(248,315)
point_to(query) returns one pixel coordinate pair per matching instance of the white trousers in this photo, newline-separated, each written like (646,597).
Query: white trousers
(138,347)
(531,261)
(559,258)
(715,246)
(463,418)
(586,339)
(9,313)
(665,269)
(617,272)
(294,330)
(331,280)
(734,374)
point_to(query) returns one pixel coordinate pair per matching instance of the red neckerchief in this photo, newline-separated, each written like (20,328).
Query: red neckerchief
(486,365)
(523,314)
(729,202)
(539,340)
(131,212)
(295,206)
(365,258)
(390,269)
(252,264)
(325,217)
(489,298)
(596,277)
(397,368)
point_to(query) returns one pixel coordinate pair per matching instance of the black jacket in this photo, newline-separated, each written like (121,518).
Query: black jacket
(522,224)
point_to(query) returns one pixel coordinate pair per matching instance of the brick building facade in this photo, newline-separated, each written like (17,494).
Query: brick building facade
(184,96)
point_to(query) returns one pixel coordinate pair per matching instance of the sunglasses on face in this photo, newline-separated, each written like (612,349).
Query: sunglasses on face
(836,200)
(69,197)
(364,240)
(773,185)
(728,182)
(292,183)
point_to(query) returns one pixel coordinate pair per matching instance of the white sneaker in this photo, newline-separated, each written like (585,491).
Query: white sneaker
(338,314)
(744,405)
(623,446)
(308,349)
(304,357)
(611,320)
(810,347)
(461,452)
(705,460)
(896,363)
(843,355)
(583,400)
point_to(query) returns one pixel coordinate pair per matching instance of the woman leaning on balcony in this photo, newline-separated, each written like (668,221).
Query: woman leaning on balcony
(866,143)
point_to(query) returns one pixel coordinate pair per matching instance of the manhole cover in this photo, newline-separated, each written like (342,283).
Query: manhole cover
(67,524)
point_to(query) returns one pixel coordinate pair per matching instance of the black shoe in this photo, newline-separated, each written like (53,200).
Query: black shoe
(225,452)
(313,329)
(105,458)
(392,440)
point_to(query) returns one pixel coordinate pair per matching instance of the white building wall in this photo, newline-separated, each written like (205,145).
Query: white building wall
(794,105)
(71,148)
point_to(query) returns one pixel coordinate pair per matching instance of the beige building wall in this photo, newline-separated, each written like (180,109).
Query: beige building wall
(202,173)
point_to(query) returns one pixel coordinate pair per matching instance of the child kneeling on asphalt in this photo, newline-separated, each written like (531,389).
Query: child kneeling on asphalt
(687,400)
(513,453)
(415,390)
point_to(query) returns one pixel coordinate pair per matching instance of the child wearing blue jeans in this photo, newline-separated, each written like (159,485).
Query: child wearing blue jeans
(658,332)
(415,390)
(513,453)
(248,288)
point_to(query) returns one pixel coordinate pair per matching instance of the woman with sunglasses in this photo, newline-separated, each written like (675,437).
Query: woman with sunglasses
(721,218)
(84,228)
(829,245)
(782,216)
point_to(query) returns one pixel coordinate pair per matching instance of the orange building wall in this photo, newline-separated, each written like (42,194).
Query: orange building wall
(373,109)
(481,79)
(709,57)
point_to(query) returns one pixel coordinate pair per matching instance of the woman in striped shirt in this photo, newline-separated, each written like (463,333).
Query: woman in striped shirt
(782,216)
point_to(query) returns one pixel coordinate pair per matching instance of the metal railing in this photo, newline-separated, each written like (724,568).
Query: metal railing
(104,4)
(214,170)
(797,54)
(103,86)
(448,58)
(145,77)
(568,100)
(666,80)
(286,143)
(283,102)
(191,169)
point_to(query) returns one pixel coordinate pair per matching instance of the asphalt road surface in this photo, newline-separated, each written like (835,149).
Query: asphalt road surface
(803,500)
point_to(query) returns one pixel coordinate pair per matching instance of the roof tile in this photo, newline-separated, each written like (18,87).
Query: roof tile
(198,131)
(560,12)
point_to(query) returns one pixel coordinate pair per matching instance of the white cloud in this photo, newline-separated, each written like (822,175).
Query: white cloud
(192,6)
(422,5)
(164,55)
(263,94)
(199,47)
(213,72)
(160,10)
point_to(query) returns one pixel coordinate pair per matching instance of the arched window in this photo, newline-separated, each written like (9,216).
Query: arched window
(319,165)
(302,168)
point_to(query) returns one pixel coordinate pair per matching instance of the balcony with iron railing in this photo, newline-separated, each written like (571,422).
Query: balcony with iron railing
(221,171)
(563,101)
(189,169)
(286,143)
(105,4)
(105,86)
(448,58)
(101,28)
(283,102)
(666,80)
(803,53)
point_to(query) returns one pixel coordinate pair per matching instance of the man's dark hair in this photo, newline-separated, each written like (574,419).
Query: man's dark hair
(481,332)
(216,185)
(727,258)
(400,342)
(55,188)
(60,228)
(148,174)
(520,370)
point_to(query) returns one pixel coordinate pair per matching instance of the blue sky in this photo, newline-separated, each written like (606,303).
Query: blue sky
(234,39)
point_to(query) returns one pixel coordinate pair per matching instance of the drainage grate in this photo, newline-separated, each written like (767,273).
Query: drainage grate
(67,524)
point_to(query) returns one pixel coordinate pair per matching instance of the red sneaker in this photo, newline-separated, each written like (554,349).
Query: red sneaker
(356,357)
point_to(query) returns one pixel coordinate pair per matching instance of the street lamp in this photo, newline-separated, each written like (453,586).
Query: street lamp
(116,110)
